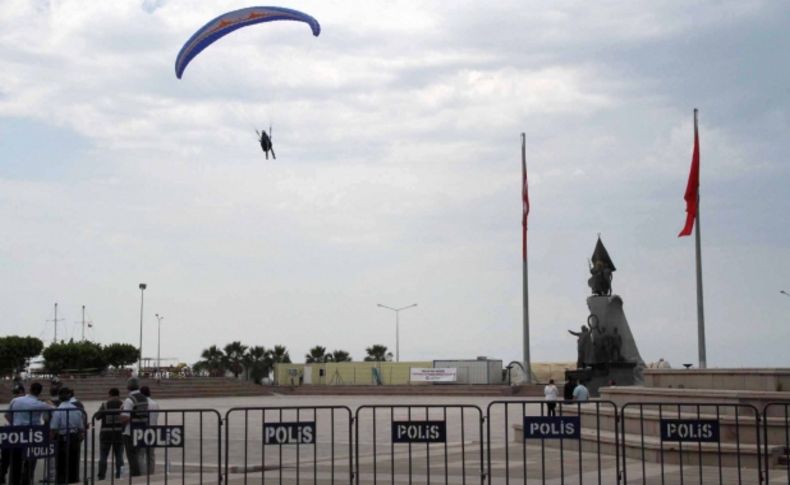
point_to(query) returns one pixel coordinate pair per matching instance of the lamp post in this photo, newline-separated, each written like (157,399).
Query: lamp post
(397,326)
(784,293)
(158,343)
(142,287)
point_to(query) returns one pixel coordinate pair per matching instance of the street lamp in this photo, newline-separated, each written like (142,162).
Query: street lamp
(158,344)
(397,326)
(784,293)
(142,287)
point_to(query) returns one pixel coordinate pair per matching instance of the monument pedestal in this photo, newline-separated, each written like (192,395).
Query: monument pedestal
(602,375)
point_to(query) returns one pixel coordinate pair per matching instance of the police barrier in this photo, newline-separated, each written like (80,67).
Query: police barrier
(419,444)
(690,443)
(534,441)
(44,445)
(776,441)
(289,444)
(170,445)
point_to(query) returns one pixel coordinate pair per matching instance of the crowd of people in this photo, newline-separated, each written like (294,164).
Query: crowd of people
(65,418)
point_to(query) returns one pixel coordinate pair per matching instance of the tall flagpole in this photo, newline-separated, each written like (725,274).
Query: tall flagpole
(700,307)
(525,203)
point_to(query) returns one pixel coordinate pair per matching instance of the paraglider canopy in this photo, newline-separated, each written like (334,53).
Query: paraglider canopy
(228,22)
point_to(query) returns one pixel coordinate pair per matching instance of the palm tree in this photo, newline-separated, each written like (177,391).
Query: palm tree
(213,361)
(317,354)
(340,356)
(234,357)
(258,363)
(376,353)
(280,355)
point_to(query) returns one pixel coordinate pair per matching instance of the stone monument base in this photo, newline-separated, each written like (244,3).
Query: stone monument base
(602,375)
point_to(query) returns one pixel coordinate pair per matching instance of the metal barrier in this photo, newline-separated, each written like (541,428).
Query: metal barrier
(776,440)
(289,444)
(44,445)
(169,444)
(690,443)
(419,444)
(535,441)
(524,442)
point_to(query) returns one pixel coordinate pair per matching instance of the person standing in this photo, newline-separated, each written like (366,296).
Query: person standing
(68,430)
(5,454)
(581,393)
(134,414)
(153,420)
(552,393)
(25,410)
(110,436)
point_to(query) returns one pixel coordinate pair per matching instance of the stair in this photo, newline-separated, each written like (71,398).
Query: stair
(95,388)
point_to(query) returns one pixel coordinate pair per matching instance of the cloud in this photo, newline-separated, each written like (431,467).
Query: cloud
(397,132)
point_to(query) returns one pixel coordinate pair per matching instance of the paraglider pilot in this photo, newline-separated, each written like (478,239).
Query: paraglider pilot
(266,142)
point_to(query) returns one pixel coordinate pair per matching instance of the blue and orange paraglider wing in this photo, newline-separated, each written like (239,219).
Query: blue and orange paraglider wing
(227,23)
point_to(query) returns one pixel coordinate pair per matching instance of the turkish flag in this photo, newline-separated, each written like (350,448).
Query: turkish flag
(692,188)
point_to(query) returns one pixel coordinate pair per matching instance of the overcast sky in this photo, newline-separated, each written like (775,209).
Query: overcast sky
(397,179)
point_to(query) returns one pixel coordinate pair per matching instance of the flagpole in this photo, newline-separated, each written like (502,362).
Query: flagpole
(700,307)
(527,364)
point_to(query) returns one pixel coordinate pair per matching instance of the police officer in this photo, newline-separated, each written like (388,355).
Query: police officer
(68,431)
(26,411)
(110,436)
(135,414)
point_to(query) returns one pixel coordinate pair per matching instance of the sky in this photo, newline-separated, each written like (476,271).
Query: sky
(398,175)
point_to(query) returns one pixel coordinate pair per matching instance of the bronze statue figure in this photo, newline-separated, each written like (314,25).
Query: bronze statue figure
(601,269)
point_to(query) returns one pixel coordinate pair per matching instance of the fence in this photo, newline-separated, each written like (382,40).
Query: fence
(527,442)
(44,445)
(173,445)
(536,441)
(419,443)
(289,444)
(691,443)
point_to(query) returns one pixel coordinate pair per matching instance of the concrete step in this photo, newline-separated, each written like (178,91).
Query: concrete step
(424,390)
(652,450)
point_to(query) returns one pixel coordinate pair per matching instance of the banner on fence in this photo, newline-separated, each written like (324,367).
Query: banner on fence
(552,427)
(419,431)
(422,374)
(696,430)
(158,436)
(23,436)
(294,433)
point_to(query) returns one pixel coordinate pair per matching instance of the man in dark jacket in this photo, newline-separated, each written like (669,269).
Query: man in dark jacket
(110,435)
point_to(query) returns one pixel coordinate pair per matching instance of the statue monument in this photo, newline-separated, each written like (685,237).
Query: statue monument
(606,350)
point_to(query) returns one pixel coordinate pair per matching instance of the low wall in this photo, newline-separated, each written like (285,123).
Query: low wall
(771,380)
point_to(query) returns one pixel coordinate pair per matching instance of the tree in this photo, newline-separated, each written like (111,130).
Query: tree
(16,351)
(280,355)
(213,361)
(235,357)
(376,353)
(317,354)
(78,356)
(119,355)
(259,363)
(340,356)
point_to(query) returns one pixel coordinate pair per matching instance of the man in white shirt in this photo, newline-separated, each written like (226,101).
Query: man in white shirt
(134,413)
(551,393)
(153,419)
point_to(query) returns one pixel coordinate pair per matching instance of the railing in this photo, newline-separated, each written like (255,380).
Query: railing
(530,441)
